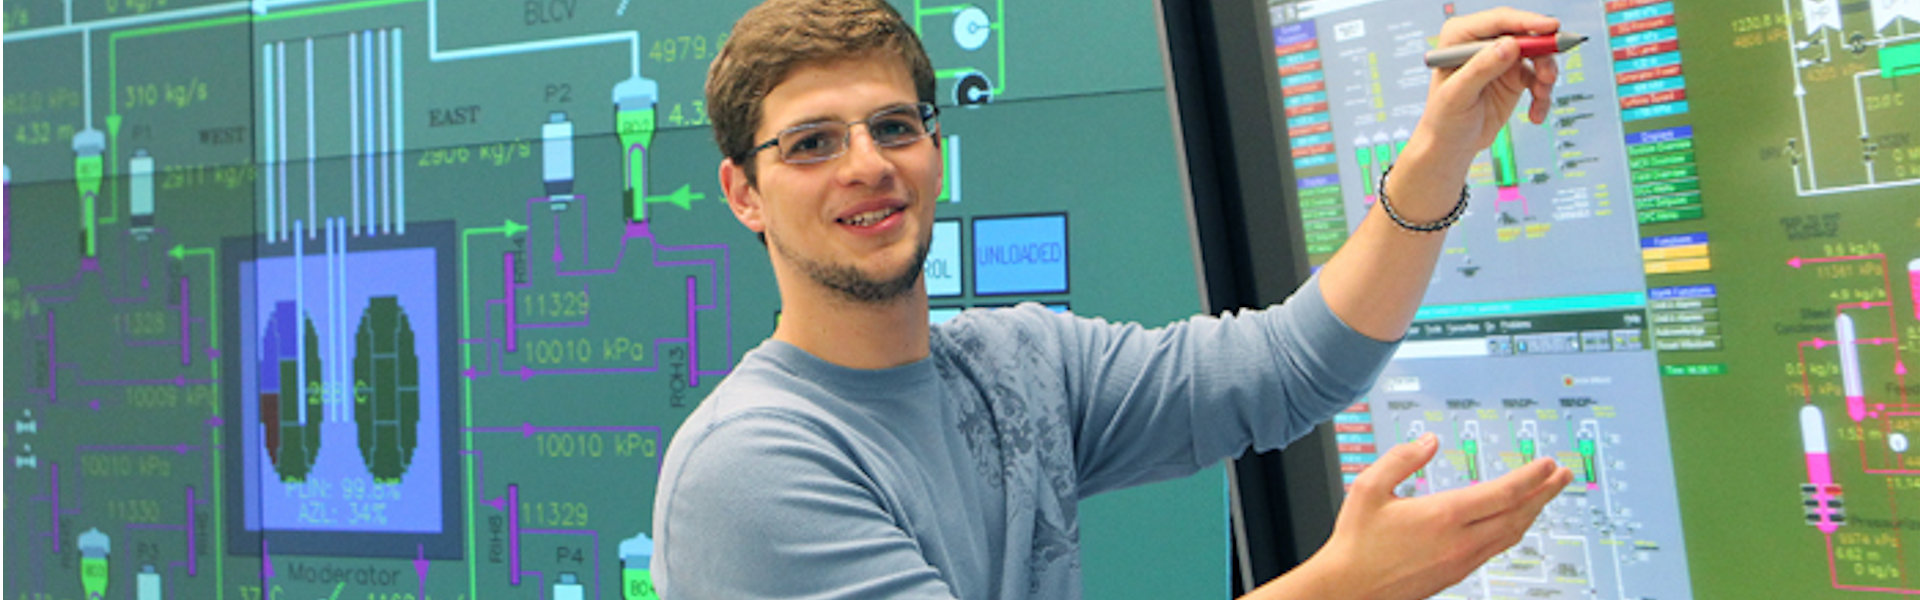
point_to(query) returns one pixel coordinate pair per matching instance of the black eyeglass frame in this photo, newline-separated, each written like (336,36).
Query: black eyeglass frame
(929,123)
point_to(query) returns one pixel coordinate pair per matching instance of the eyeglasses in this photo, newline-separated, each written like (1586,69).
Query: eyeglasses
(893,127)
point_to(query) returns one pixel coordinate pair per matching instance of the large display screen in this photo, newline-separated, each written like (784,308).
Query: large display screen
(403,299)
(1695,285)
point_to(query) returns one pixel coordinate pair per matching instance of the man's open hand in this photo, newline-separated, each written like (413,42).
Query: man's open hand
(1386,547)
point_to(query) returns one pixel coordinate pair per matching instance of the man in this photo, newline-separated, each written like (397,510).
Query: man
(860,453)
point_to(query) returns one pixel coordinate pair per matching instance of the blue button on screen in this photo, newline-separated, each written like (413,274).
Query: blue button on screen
(943,260)
(1020,255)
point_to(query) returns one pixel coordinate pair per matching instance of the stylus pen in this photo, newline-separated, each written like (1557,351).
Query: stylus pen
(1530,45)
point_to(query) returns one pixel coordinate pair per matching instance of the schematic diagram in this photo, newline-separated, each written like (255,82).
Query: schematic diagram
(1771,173)
(1802,294)
(404,299)
(348,340)
(973,29)
(1852,59)
(1614,532)
(352,431)
(1857,418)
(1353,94)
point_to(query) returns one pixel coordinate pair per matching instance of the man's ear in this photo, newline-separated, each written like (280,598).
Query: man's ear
(741,196)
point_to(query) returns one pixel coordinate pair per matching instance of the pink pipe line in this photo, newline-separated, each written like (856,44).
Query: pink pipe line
(1862,588)
(1859,305)
(558,255)
(193,555)
(1900,551)
(1841,258)
(1818,343)
(480,480)
(633,230)
(1913,280)
(186,334)
(1833,569)
(56,508)
(53,367)
(693,337)
(560,325)
(1806,382)
(513,341)
(68,284)
(513,534)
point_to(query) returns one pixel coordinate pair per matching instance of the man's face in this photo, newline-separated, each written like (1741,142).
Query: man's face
(858,225)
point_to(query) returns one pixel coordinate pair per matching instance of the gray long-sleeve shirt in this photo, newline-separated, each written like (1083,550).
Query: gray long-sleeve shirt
(958,476)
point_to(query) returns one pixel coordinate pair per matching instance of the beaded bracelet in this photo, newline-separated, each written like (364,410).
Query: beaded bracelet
(1459,209)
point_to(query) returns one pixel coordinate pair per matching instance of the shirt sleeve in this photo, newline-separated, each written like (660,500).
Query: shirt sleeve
(784,513)
(1156,404)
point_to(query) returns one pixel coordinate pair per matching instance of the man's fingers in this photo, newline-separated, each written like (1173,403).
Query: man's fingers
(1500,531)
(1501,57)
(1545,72)
(1486,67)
(1537,498)
(1375,484)
(1495,23)
(1507,492)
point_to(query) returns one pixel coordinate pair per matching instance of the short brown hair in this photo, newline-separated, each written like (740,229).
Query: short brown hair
(778,36)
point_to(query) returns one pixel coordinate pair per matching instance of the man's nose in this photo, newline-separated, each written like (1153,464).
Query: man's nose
(866,162)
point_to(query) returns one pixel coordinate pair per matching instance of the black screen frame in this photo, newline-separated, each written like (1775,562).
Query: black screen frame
(1247,221)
